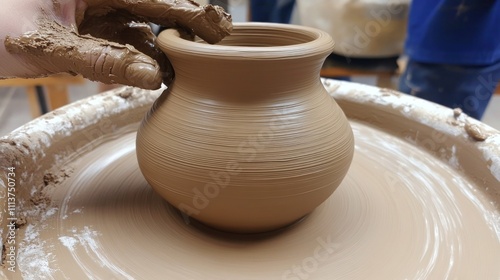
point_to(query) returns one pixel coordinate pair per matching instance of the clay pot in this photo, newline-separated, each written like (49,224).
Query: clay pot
(246,139)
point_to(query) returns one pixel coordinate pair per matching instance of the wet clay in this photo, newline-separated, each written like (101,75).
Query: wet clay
(122,27)
(246,128)
(391,218)
(55,48)
(420,201)
(209,22)
(475,132)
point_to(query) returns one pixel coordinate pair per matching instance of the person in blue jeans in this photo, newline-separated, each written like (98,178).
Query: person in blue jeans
(453,48)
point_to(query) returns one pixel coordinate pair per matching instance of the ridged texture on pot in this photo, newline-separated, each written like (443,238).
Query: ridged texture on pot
(246,139)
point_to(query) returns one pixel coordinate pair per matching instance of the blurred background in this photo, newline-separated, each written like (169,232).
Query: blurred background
(369,36)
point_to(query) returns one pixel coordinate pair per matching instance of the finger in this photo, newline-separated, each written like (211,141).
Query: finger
(209,22)
(120,27)
(56,48)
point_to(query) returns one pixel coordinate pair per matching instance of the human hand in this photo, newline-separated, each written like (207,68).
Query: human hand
(103,40)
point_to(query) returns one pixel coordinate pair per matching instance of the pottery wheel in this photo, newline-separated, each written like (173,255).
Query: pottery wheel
(400,213)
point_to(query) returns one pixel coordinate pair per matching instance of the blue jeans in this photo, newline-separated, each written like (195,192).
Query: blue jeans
(467,87)
(278,11)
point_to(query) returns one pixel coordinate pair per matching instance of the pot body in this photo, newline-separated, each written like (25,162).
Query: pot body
(246,138)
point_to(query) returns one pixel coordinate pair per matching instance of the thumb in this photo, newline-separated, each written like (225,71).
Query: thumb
(55,48)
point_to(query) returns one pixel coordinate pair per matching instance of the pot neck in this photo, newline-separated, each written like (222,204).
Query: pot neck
(257,60)
(233,79)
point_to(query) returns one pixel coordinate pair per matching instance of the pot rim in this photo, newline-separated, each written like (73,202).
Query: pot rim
(310,42)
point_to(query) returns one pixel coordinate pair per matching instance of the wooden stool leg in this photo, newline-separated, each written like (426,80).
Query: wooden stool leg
(57,95)
(385,81)
(33,101)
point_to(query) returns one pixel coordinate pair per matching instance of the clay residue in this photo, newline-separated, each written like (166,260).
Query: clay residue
(39,202)
(457,112)
(388,91)
(29,210)
(459,118)
(125,94)
(475,132)
(41,197)
(51,178)
(10,142)
(21,221)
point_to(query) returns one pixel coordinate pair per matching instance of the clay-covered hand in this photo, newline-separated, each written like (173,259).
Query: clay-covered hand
(103,40)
